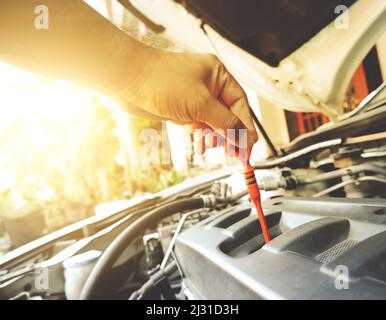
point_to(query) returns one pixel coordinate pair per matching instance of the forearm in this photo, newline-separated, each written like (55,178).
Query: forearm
(79,44)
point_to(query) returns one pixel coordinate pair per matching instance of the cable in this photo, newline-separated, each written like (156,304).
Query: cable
(174,239)
(264,134)
(350,171)
(347,182)
(297,154)
(154,280)
(94,286)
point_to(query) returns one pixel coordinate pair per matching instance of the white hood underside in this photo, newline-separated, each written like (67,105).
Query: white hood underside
(313,78)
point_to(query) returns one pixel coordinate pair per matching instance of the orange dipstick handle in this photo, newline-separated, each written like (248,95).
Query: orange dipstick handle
(254,194)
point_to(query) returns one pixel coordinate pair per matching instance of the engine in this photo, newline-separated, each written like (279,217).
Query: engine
(328,227)
(325,205)
(318,252)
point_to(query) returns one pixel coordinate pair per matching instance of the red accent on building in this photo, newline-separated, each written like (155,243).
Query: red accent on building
(310,121)
(359,84)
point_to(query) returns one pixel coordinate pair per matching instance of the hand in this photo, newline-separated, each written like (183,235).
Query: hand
(196,90)
(193,89)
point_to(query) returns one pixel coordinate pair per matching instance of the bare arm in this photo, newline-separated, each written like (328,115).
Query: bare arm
(81,45)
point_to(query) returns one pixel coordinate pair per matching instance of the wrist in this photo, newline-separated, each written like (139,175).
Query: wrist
(134,67)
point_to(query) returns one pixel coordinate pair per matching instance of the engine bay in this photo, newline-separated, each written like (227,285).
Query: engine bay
(324,202)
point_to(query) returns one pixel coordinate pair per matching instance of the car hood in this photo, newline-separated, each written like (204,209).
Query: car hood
(298,54)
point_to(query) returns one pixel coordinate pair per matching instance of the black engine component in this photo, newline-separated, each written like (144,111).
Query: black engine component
(322,249)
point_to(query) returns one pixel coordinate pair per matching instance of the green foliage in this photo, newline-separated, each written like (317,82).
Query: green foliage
(156,179)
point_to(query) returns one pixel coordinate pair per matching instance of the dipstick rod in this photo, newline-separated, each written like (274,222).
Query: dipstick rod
(254,193)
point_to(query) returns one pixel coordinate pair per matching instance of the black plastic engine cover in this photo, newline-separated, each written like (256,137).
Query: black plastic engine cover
(270,30)
(322,249)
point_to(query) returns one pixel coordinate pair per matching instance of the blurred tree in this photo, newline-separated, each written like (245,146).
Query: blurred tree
(60,168)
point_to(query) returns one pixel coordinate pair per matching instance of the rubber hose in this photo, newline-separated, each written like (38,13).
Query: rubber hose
(94,283)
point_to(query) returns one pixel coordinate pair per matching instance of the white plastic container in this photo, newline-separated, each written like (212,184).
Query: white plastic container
(76,270)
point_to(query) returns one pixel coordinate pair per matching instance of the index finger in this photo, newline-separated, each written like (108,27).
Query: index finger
(235,98)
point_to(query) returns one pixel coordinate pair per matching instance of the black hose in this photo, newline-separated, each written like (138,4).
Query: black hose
(94,286)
